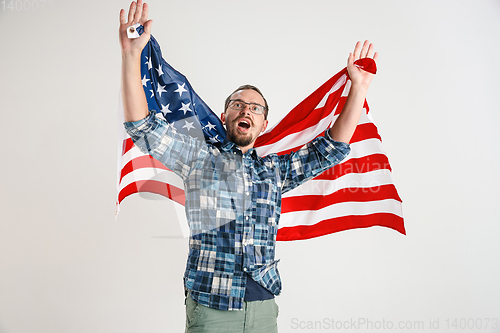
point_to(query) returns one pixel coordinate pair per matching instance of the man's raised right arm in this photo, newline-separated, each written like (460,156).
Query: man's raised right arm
(135,106)
(178,152)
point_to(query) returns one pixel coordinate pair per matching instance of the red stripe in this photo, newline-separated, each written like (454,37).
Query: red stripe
(145,161)
(352,194)
(340,224)
(365,132)
(340,107)
(365,105)
(153,186)
(127,145)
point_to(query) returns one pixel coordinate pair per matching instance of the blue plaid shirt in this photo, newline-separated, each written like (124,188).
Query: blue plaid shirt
(233,205)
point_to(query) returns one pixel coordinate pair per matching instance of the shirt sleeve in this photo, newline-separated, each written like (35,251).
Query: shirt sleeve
(178,152)
(312,159)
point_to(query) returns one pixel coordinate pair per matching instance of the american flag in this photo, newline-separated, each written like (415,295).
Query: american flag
(357,193)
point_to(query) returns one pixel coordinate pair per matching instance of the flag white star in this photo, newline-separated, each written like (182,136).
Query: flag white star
(210,126)
(188,125)
(144,81)
(152,93)
(150,65)
(165,109)
(160,89)
(159,70)
(214,139)
(185,108)
(180,89)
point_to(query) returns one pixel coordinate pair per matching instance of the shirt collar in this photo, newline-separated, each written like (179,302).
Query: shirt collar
(227,145)
(230,146)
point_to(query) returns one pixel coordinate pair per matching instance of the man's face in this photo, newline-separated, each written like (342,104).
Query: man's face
(243,127)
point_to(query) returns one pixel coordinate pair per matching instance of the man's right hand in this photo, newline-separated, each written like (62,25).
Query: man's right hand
(135,106)
(138,13)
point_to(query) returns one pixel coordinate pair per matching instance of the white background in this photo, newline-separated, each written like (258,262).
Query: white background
(66,265)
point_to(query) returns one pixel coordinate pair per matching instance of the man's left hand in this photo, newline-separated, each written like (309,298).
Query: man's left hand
(358,76)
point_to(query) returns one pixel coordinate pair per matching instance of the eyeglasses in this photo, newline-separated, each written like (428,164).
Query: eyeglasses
(238,105)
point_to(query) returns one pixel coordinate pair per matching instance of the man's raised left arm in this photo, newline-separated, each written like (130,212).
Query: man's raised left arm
(345,125)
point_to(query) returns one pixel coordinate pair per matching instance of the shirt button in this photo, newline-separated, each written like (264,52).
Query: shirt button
(248,193)
(247,217)
(245,269)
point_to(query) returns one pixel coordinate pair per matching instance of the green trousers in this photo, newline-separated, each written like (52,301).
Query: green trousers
(256,317)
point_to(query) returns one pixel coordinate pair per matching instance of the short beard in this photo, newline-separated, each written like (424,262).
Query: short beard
(232,135)
(240,141)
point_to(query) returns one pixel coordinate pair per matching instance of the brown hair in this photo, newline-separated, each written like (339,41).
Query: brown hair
(245,87)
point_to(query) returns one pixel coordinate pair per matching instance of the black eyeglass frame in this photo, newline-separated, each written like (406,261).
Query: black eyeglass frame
(249,104)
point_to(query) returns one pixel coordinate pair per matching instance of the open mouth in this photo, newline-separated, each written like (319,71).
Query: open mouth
(244,125)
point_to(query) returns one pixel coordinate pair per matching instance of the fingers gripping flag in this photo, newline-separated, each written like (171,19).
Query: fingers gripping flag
(357,193)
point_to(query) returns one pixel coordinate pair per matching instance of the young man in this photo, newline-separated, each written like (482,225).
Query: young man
(233,196)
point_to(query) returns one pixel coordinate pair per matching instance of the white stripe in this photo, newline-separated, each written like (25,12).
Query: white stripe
(365,148)
(309,217)
(369,117)
(152,174)
(133,152)
(364,118)
(347,88)
(351,180)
